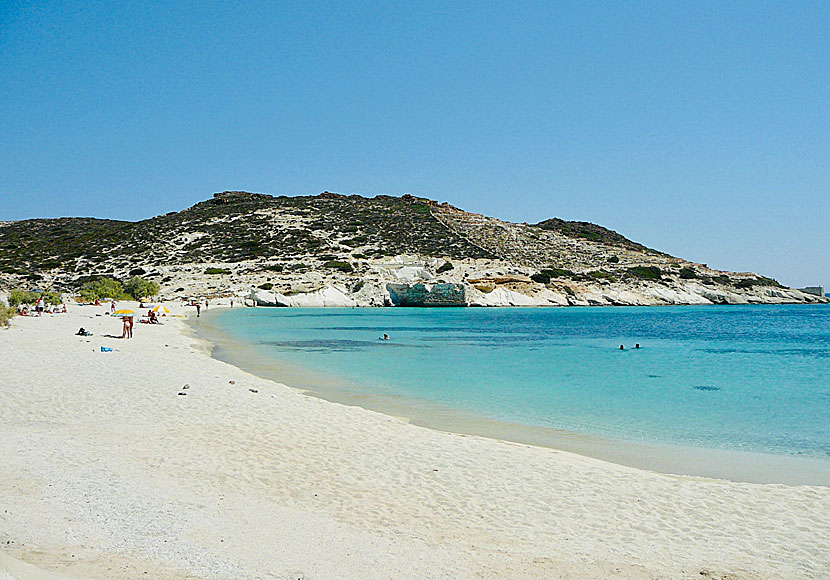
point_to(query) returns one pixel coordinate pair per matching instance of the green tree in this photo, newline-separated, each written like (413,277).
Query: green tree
(103,288)
(140,288)
(18,297)
(52,298)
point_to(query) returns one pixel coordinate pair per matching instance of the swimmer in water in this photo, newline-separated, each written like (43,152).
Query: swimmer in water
(637,345)
(622,347)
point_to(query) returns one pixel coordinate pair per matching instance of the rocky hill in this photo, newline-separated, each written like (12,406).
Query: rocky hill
(338,249)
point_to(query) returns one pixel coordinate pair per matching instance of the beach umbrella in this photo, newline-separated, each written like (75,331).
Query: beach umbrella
(124,312)
(162,309)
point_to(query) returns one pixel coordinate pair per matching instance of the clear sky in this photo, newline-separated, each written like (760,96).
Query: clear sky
(701,129)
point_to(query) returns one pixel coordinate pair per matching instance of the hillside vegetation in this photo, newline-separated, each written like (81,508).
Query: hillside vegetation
(237,239)
(234,227)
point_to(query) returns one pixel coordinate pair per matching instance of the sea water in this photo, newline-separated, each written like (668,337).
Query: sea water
(752,378)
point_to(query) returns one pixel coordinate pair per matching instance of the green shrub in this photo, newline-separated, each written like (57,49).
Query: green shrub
(764,281)
(6,314)
(213,271)
(265,286)
(338,265)
(688,273)
(558,273)
(445,267)
(356,241)
(646,272)
(18,297)
(759,281)
(103,288)
(52,298)
(140,288)
(601,275)
(613,260)
(545,275)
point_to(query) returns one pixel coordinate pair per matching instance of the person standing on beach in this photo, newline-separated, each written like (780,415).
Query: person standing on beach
(198,309)
(39,306)
(112,307)
(129,327)
(124,328)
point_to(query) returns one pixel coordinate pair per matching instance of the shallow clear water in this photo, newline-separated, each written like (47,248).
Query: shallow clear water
(736,377)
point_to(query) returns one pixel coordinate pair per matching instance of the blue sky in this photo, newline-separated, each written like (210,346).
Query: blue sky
(701,129)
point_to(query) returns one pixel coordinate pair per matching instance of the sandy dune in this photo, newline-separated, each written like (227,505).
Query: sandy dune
(107,472)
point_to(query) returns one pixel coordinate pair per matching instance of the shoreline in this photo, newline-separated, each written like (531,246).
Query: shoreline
(110,473)
(665,458)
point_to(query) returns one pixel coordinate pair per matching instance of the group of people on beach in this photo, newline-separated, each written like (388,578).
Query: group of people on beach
(40,307)
(198,306)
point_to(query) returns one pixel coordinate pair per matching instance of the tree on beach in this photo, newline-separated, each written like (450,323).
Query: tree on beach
(140,288)
(18,297)
(103,288)
(134,288)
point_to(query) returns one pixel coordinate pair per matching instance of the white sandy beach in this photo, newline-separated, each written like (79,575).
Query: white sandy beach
(106,472)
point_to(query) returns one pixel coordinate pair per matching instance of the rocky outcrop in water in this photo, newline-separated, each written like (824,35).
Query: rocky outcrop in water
(421,294)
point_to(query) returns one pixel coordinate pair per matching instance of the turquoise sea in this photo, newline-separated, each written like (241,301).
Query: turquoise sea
(751,378)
